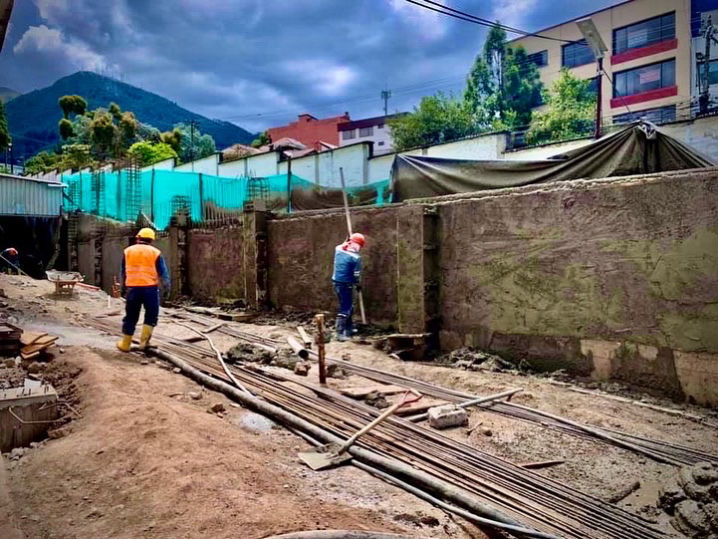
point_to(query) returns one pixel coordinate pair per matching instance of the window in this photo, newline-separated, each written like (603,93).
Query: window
(712,72)
(645,33)
(349,134)
(645,79)
(539,58)
(380,143)
(576,54)
(366,131)
(593,85)
(660,115)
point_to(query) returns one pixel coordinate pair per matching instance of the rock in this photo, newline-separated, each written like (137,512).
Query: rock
(335,371)
(669,495)
(432,522)
(690,519)
(302,369)
(9,363)
(17,453)
(194,395)
(176,370)
(446,416)
(693,490)
(35,367)
(58,433)
(94,513)
(377,400)
(486,431)
(711,511)
(704,473)
(62,350)
(144,361)
(217,407)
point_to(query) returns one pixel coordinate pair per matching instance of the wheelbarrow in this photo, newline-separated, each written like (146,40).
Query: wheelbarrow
(335,454)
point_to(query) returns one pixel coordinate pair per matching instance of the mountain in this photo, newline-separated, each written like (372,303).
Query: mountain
(6,94)
(33,117)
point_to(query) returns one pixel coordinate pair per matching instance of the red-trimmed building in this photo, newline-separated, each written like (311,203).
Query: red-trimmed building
(319,134)
(649,59)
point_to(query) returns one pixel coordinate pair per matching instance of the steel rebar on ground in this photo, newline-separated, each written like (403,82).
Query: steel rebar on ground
(526,496)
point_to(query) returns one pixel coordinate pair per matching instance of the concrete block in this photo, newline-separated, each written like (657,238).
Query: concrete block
(446,416)
(26,414)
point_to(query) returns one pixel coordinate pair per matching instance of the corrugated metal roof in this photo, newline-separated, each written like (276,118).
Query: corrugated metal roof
(29,197)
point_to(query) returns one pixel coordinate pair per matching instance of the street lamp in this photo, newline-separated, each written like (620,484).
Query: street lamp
(9,147)
(598,48)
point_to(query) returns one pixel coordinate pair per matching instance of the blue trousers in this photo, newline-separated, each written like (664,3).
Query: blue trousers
(136,298)
(346,304)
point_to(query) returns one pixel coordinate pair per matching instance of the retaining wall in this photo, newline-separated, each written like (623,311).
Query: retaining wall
(616,279)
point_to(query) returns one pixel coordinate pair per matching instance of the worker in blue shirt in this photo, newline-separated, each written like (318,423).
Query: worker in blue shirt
(347,275)
(142,270)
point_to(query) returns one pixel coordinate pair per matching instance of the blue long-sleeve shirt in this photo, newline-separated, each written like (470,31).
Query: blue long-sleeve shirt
(161,268)
(347,266)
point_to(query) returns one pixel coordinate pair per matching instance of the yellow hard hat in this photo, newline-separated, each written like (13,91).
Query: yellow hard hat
(146,233)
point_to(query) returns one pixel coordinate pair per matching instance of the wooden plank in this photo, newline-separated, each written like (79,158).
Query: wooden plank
(31,337)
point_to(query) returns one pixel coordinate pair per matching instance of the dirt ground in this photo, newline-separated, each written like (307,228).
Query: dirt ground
(147,460)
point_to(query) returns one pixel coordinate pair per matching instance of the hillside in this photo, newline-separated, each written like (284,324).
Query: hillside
(6,94)
(33,117)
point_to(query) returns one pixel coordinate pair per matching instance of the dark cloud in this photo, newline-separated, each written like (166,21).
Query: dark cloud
(262,62)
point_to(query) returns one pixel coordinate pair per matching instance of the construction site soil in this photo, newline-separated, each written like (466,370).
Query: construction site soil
(142,454)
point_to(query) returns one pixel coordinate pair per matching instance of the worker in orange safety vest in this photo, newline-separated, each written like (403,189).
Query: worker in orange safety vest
(142,270)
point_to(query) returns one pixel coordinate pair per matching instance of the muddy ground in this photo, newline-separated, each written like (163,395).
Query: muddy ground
(146,459)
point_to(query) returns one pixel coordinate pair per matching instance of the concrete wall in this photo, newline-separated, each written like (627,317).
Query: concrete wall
(206,165)
(300,258)
(618,279)
(214,263)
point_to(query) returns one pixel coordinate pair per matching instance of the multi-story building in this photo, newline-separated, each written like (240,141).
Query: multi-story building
(374,130)
(648,61)
(704,13)
(319,134)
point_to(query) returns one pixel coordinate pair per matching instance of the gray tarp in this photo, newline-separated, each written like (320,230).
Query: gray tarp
(638,149)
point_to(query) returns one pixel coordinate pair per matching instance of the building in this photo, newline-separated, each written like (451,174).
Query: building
(704,13)
(373,130)
(319,134)
(5,11)
(648,61)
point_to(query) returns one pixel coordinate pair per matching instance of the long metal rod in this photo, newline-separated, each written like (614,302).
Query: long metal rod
(349,229)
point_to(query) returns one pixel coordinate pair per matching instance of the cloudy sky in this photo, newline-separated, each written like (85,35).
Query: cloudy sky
(259,63)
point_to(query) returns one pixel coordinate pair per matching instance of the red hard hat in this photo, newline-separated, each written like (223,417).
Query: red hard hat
(12,251)
(358,239)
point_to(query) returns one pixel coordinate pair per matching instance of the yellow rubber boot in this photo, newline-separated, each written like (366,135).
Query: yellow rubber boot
(125,343)
(145,337)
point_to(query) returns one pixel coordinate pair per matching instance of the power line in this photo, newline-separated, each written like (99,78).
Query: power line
(463,16)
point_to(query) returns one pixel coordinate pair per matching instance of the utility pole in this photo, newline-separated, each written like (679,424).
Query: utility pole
(599,97)
(709,34)
(598,48)
(385,95)
(12,169)
(192,124)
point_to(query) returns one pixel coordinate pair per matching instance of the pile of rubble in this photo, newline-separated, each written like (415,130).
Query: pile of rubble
(691,498)
(477,360)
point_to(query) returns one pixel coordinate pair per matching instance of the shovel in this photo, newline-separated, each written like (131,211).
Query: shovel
(335,454)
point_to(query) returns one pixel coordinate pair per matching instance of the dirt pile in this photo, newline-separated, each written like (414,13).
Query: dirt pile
(691,498)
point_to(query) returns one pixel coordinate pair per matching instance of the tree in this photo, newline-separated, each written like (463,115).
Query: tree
(42,162)
(172,138)
(148,153)
(262,140)
(437,119)
(503,85)
(72,104)
(570,111)
(202,146)
(5,137)
(65,127)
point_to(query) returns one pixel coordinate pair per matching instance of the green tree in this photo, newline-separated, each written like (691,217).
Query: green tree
(503,85)
(76,156)
(72,104)
(103,133)
(437,119)
(5,137)
(42,162)
(148,153)
(194,145)
(172,138)
(65,127)
(262,140)
(570,111)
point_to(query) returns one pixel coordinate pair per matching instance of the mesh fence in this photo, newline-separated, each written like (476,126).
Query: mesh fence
(159,194)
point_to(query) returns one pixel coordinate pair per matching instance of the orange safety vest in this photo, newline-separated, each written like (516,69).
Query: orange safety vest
(141,265)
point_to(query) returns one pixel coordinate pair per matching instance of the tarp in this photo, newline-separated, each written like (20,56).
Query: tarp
(638,149)
(317,198)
